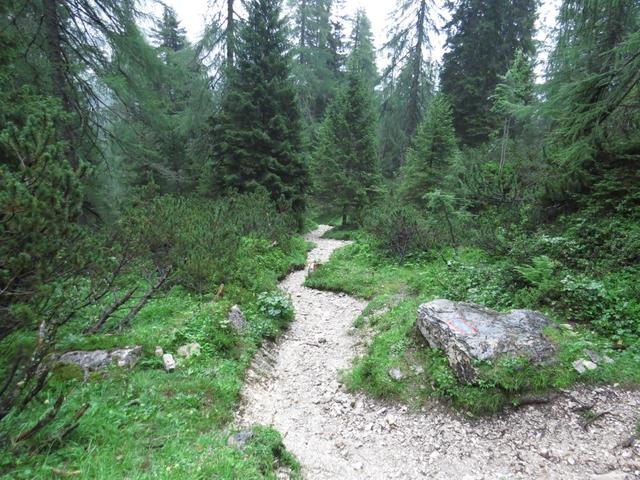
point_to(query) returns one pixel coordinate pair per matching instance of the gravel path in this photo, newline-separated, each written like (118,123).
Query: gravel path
(294,387)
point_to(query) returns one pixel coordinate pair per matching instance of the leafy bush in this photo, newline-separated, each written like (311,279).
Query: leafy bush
(398,230)
(40,201)
(204,241)
(274,313)
(209,327)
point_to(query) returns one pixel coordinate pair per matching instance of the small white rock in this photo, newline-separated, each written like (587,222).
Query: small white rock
(169,362)
(582,365)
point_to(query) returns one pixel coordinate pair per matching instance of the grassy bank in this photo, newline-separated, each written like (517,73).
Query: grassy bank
(146,423)
(396,290)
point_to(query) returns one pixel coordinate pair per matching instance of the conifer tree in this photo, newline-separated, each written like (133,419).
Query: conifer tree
(168,33)
(409,47)
(314,43)
(593,90)
(346,164)
(482,40)
(362,55)
(513,99)
(257,133)
(432,152)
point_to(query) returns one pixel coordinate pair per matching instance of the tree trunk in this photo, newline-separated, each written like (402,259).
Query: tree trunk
(303,29)
(230,34)
(414,93)
(505,139)
(59,71)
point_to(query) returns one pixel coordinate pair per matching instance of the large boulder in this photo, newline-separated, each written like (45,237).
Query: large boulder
(469,333)
(98,359)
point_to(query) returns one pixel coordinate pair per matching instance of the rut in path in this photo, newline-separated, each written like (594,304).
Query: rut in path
(294,387)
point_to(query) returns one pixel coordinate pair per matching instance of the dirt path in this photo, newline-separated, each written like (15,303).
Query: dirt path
(337,435)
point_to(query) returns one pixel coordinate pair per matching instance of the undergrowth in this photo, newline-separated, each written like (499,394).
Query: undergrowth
(146,423)
(464,274)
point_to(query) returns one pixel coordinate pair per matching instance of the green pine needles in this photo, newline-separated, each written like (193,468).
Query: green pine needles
(257,132)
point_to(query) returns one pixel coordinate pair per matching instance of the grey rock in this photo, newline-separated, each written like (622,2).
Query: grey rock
(159,352)
(612,476)
(468,333)
(99,359)
(237,319)
(595,357)
(582,365)
(189,350)
(169,362)
(396,374)
(240,439)
(126,357)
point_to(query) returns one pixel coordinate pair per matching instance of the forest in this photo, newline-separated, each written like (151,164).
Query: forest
(149,183)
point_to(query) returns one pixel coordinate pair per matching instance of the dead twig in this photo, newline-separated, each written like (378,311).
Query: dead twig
(588,422)
(72,424)
(536,400)
(46,419)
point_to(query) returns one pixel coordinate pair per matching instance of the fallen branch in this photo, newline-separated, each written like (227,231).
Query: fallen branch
(72,424)
(66,473)
(106,314)
(143,301)
(46,419)
(536,400)
(592,419)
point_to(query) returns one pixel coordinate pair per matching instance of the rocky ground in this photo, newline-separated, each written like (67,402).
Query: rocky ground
(294,386)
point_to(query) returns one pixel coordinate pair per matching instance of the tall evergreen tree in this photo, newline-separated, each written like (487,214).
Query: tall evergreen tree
(362,52)
(513,100)
(257,133)
(409,48)
(483,37)
(315,55)
(593,90)
(345,161)
(168,32)
(431,154)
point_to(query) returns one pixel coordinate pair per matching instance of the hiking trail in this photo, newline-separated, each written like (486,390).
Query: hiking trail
(293,385)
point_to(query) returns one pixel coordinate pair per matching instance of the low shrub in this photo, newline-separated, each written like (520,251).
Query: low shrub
(399,230)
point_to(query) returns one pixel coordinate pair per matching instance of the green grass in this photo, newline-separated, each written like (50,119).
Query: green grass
(396,291)
(146,423)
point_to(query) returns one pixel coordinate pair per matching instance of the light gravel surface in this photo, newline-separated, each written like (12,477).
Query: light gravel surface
(294,386)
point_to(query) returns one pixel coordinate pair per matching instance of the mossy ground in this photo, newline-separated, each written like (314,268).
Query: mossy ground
(396,291)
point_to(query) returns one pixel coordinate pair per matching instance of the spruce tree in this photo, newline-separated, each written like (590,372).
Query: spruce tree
(433,149)
(483,38)
(168,33)
(257,133)
(513,99)
(593,92)
(345,161)
(314,54)
(362,55)
(409,48)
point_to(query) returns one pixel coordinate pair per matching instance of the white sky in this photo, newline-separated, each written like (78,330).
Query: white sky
(192,15)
